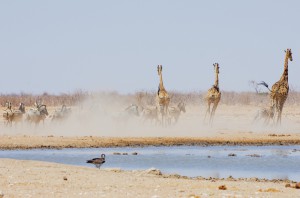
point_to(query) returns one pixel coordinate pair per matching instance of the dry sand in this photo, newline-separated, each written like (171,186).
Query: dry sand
(19,178)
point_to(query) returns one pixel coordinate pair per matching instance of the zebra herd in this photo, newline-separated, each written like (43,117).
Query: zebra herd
(152,114)
(38,113)
(34,115)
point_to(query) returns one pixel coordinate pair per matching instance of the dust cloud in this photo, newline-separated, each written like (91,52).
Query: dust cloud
(105,116)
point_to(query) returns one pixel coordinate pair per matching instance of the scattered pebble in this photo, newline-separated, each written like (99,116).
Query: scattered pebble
(65,178)
(254,155)
(288,185)
(194,196)
(231,154)
(223,187)
(279,135)
(117,170)
(269,190)
(153,171)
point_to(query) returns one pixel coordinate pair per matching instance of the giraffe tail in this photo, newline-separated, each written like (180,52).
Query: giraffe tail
(264,84)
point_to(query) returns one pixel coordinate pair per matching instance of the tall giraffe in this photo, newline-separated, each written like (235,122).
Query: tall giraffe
(213,95)
(280,89)
(162,98)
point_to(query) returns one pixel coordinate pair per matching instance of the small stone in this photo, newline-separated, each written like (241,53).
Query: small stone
(297,186)
(154,171)
(193,196)
(287,185)
(223,187)
(254,155)
(116,153)
(1,194)
(134,153)
(231,154)
(65,178)
(125,153)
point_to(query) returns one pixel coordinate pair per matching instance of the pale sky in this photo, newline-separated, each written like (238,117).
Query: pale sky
(61,46)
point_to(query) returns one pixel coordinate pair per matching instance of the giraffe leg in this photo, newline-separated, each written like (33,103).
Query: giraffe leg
(279,114)
(207,111)
(213,113)
(168,114)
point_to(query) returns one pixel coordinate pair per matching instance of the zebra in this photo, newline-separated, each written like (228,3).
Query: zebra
(176,111)
(130,112)
(62,113)
(35,115)
(150,114)
(265,113)
(8,114)
(12,115)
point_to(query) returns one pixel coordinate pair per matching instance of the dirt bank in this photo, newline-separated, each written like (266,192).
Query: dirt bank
(30,142)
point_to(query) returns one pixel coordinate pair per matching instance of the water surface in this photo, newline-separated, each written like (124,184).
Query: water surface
(276,162)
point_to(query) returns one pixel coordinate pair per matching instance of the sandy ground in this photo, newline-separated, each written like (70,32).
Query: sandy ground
(20,178)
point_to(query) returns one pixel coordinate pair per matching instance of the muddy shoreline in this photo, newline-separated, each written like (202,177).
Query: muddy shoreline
(59,142)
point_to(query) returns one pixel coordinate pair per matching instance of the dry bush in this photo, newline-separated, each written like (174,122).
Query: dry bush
(45,98)
(144,98)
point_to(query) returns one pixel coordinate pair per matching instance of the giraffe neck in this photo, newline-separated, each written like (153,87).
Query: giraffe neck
(285,74)
(161,83)
(216,80)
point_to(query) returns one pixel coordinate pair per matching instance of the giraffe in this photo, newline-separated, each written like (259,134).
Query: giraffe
(213,96)
(280,89)
(162,98)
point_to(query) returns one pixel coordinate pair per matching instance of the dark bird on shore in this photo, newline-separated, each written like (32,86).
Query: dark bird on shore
(97,161)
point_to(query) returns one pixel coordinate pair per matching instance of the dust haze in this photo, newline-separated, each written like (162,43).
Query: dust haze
(104,116)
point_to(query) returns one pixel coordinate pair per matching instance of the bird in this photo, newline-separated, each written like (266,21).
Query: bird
(97,161)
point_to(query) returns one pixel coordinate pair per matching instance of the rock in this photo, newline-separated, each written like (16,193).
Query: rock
(1,194)
(193,196)
(297,186)
(288,185)
(124,153)
(223,187)
(116,153)
(208,156)
(65,178)
(254,155)
(113,169)
(231,154)
(134,153)
(153,171)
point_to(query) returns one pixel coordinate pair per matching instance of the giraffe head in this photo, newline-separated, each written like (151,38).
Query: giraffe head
(159,69)
(289,54)
(216,66)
